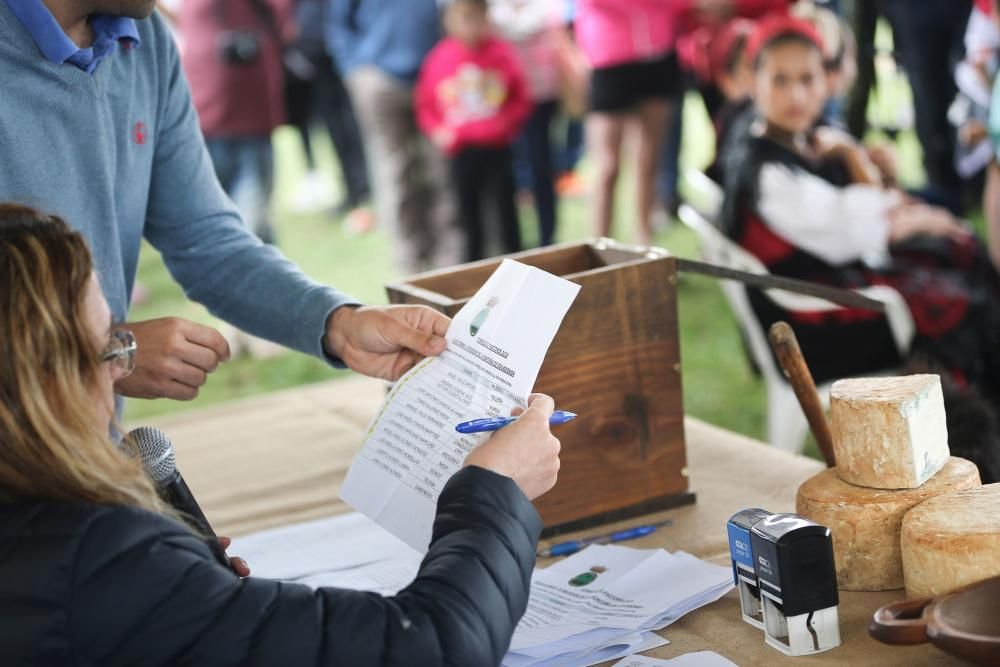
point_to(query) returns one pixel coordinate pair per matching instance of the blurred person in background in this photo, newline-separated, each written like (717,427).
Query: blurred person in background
(574,74)
(379,46)
(727,74)
(472,101)
(808,202)
(928,39)
(232,58)
(532,28)
(315,95)
(630,46)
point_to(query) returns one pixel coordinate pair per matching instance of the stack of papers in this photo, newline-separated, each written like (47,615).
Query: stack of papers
(608,599)
(600,604)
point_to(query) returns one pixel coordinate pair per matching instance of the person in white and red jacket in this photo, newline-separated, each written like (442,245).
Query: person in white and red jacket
(472,101)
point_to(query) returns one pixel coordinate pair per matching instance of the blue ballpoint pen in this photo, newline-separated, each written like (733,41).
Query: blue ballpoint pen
(571,547)
(495,423)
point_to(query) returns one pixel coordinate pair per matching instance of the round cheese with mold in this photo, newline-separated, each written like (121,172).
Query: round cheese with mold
(951,540)
(865,523)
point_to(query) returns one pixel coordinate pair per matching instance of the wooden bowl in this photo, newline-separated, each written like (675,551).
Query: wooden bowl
(964,623)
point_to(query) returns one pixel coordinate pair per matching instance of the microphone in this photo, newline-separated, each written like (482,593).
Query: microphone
(161,465)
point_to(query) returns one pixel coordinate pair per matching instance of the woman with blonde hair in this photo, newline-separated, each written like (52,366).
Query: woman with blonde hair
(95,569)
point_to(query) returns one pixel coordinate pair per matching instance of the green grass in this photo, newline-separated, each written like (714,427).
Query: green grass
(718,384)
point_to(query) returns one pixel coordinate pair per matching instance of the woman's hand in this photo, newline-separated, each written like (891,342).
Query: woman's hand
(883,156)
(915,219)
(526,451)
(831,143)
(238,565)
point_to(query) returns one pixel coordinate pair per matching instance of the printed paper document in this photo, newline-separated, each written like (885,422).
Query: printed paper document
(496,345)
(604,594)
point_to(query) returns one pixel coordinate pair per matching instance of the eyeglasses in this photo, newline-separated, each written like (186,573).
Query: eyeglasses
(121,351)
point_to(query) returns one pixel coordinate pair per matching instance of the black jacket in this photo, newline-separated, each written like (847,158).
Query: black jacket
(84,584)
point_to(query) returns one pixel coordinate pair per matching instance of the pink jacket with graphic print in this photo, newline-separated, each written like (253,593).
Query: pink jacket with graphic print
(479,94)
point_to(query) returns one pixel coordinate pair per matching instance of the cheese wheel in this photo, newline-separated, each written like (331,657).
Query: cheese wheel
(865,523)
(952,540)
(888,432)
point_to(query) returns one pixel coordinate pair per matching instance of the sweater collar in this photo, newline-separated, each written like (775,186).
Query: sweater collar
(58,48)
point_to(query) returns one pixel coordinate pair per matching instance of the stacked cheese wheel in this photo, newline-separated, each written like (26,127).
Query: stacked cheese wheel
(891,445)
(951,541)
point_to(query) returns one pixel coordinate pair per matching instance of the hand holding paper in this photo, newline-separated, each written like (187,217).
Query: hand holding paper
(496,345)
(385,341)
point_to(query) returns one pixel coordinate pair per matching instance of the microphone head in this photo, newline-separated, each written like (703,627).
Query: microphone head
(157,453)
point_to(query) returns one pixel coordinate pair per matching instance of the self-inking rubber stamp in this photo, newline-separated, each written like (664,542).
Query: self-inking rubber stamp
(744,574)
(793,559)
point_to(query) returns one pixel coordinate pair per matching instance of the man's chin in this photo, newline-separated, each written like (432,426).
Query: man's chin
(133,9)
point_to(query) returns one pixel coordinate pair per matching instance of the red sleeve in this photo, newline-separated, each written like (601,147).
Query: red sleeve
(428,113)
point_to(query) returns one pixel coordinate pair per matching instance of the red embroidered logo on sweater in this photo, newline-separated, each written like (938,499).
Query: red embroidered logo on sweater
(139,133)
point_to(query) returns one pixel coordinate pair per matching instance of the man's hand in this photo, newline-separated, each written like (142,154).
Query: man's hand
(526,451)
(238,565)
(173,358)
(385,341)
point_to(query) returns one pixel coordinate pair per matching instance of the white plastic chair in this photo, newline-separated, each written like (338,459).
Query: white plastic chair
(786,423)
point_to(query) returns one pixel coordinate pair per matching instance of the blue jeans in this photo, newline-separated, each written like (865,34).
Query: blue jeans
(533,153)
(245,168)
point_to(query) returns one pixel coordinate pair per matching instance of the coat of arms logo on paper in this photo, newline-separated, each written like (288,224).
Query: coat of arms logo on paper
(480,319)
(587,577)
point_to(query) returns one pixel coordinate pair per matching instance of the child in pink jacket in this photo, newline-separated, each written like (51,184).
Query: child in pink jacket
(471,100)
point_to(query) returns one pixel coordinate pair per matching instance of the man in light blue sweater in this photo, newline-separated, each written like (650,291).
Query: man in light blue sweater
(97,126)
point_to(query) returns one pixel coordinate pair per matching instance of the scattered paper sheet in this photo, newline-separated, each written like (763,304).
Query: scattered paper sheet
(605,595)
(644,641)
(698,659)
(496,345)
(344,542)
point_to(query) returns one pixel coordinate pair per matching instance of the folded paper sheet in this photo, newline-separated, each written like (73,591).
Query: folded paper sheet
(496,345)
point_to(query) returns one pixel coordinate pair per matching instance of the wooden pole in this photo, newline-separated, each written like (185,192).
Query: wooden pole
(786,348)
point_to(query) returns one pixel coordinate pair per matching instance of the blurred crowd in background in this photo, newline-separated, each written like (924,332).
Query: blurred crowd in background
(441,112)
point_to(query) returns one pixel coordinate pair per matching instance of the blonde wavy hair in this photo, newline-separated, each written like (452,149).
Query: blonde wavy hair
(51,446)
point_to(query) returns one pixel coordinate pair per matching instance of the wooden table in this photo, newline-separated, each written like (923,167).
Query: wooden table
(281,459)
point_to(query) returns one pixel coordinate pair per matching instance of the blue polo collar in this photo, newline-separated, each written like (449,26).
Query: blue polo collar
(58,48)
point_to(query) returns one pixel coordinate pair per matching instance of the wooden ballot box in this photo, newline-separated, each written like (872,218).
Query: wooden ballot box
(615,362)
